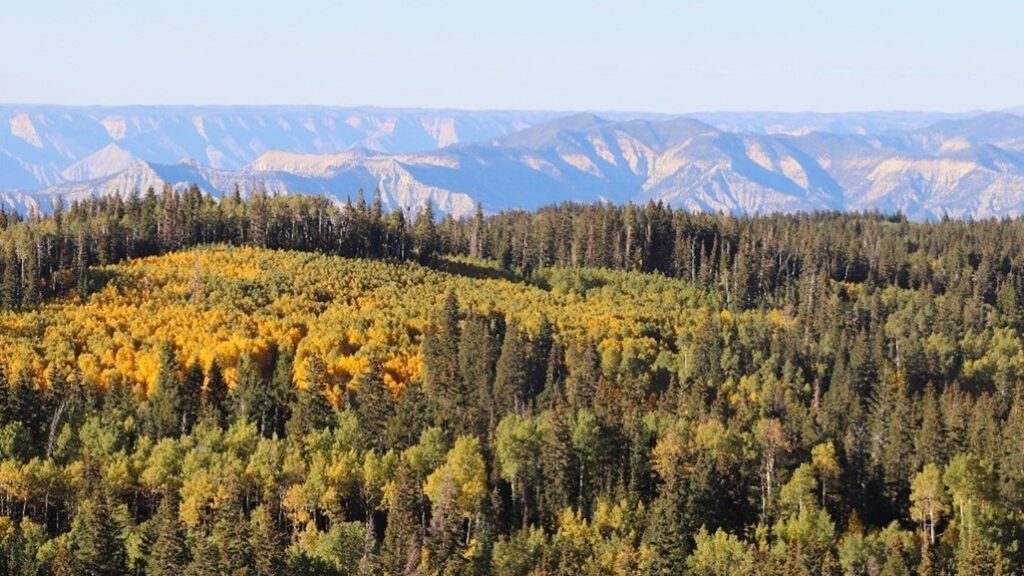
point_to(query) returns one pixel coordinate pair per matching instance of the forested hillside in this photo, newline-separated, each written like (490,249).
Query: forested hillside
(281,386)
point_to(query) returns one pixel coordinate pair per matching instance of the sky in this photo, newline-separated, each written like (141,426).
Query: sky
(653,56)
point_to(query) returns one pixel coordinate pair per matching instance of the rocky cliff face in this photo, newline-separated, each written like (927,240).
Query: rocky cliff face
(965,167)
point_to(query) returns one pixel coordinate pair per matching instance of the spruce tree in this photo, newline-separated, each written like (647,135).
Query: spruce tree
(669,545)
(215,395)
(478,353)
(424,235)
(402,535)
(98,545)
(191,397)
(267,544)
(10,281)
(165,403)
(249,394)
(512,375)
(169,554)
(281,394)
(374,404)
(311,409)
(442,379)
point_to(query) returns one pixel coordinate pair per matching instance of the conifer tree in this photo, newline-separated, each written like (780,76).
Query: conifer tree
(424,234)
(441,376)
(311,409)
(403,533)
(512,375)
(191,397)
(215,394)
(664,536)
(267,544)
(374,404)
(169,553)
(98,547)
(166,402)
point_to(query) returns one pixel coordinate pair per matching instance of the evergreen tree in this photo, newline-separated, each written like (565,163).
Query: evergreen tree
(374,404)
(165,408)
(424,235)
(311,409)
(255,399)
(98,547)
(215,395)
(191,397)
(169,554)
(664,535)
(402,536)
(512,375)
(10,281)
(478,353)
(441,376)
(267,544)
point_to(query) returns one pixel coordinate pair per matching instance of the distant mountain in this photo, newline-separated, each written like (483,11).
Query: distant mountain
(969,166)
(44,145)
(798,123)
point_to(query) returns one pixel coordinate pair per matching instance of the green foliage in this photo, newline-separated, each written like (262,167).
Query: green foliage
(588,390)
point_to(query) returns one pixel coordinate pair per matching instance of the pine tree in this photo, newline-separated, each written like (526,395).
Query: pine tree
(165,403)
(191,397)
(478,353)
(215,395)
(311,409)
(206,559)
(169,554)
(30,275)
(581,383)
(280,396)
(512,376)
(540,354)
(256,400)
(556,464)
(441,376)
(64,561)
(424,235)
(10,282)
(664,535)
(402,535)
(444,537)
(374,404)
(231,533)
(267,544)
(477,247)
(98,546)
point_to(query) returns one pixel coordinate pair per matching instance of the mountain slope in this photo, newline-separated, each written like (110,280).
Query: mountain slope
(45,145)
(962,167)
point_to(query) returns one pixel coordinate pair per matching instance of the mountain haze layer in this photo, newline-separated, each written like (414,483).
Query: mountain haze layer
(924,165)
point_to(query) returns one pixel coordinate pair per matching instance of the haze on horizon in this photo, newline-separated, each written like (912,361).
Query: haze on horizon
(655,56)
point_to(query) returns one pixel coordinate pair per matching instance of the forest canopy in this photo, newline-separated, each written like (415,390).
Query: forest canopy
(279,385)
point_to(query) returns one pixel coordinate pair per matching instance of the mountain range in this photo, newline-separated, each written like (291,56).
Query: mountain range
(925,165)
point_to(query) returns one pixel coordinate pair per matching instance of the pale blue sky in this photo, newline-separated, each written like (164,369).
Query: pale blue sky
(659,56)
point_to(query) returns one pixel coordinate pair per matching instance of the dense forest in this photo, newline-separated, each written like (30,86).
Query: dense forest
(279,385)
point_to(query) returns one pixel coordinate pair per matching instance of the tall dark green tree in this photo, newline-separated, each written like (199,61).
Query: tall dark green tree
(403,535)
(169,553)
(166,403)
(424,235)
(442,379)
(97,541)
(215,394)
(311,409)
(191,397)
(512,374)
(374,404)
